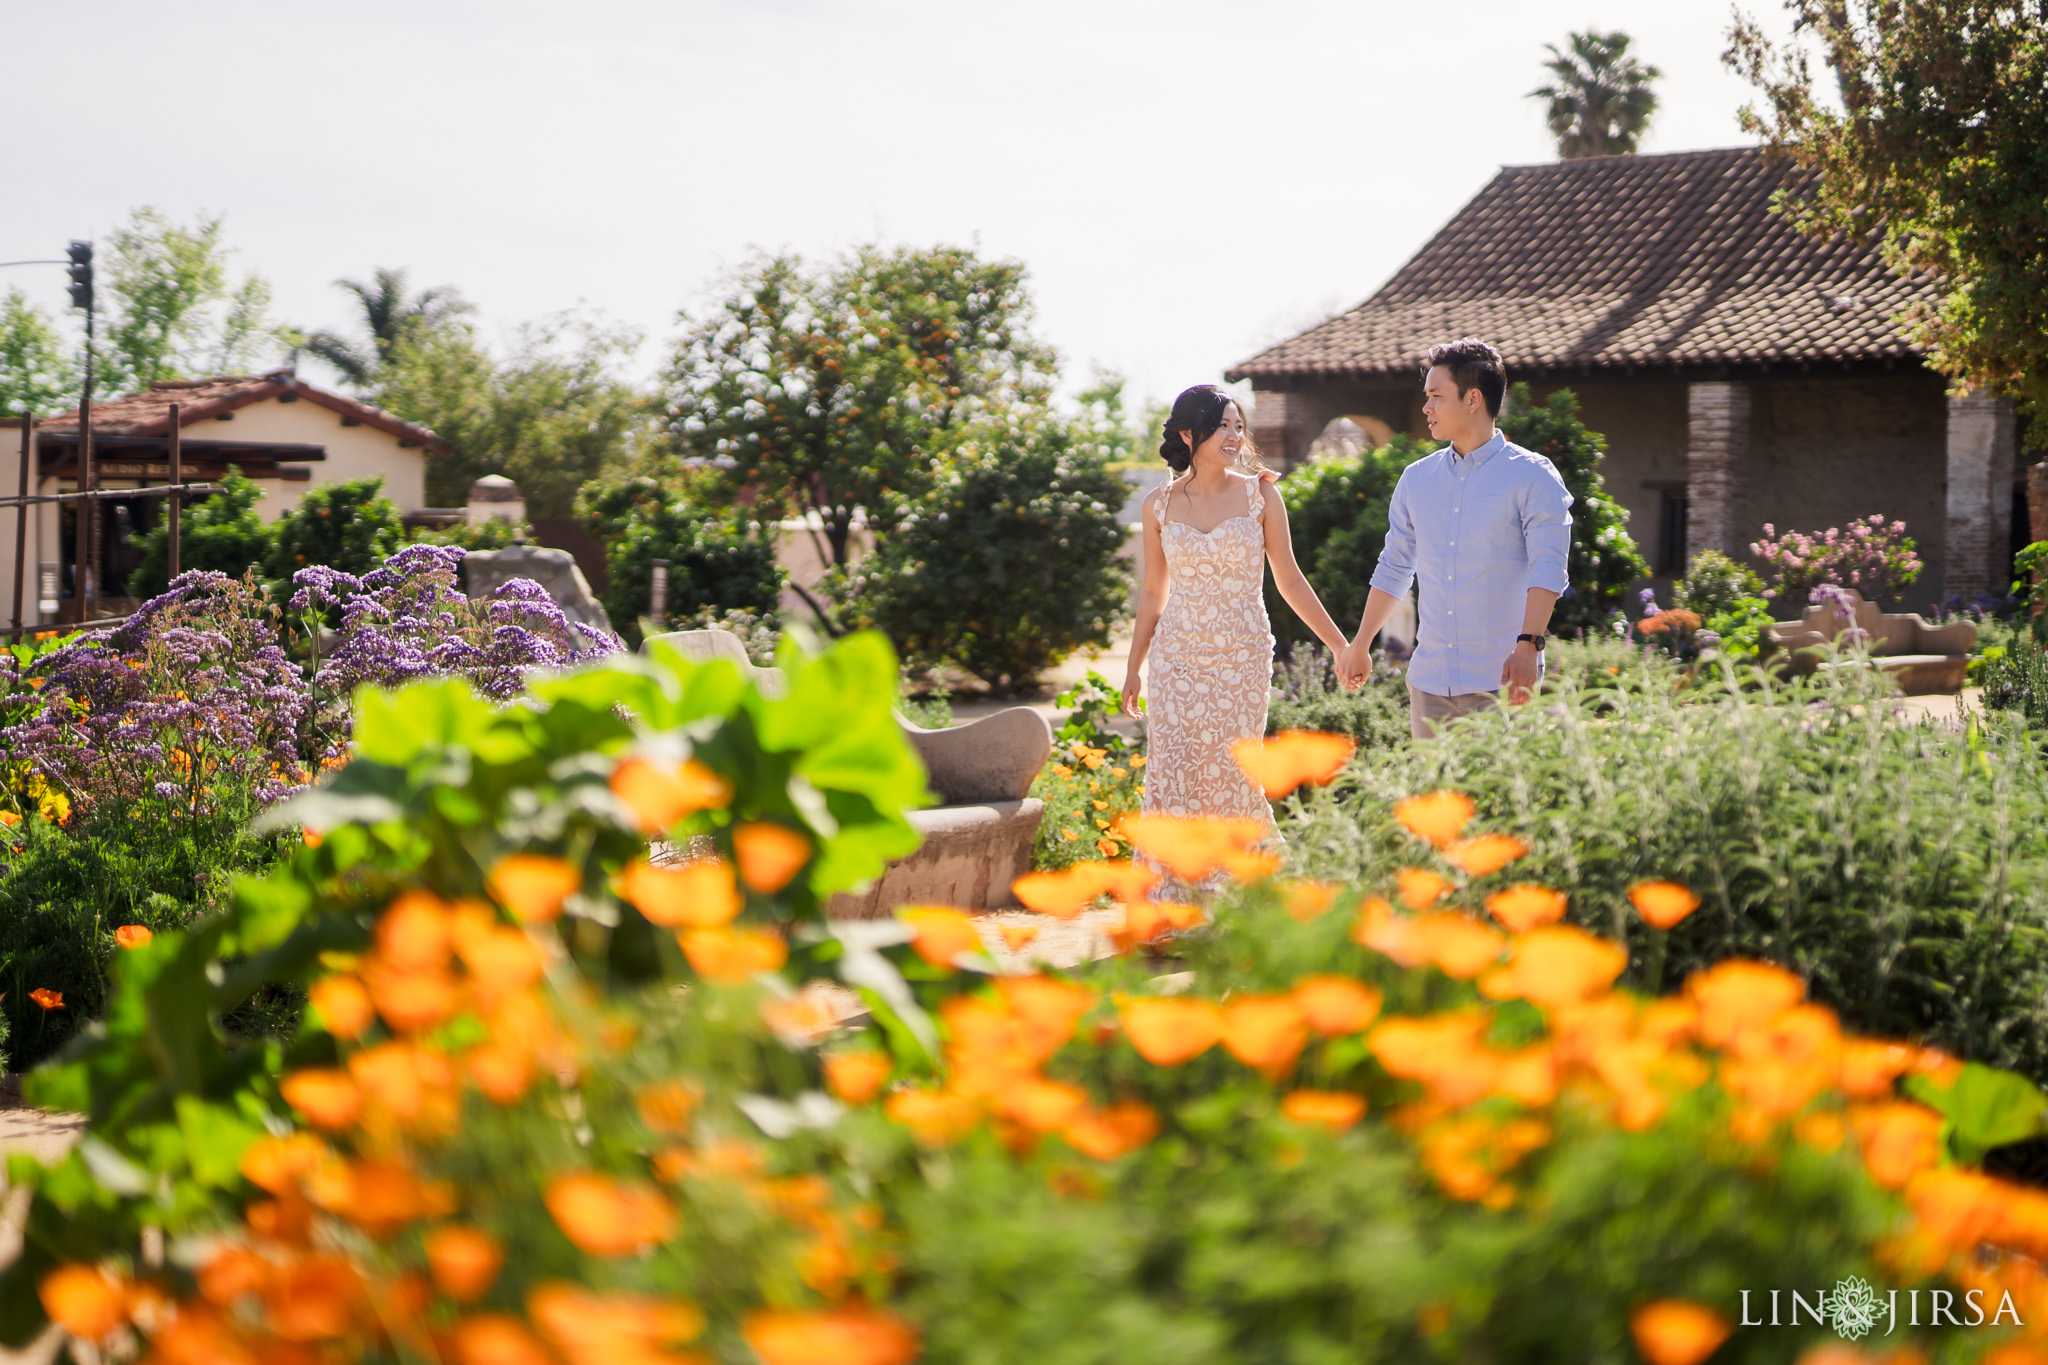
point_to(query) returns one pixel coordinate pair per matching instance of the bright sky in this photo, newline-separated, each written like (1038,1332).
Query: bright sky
(1186,181)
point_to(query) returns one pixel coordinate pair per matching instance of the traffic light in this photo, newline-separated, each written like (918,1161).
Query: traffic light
(81,275)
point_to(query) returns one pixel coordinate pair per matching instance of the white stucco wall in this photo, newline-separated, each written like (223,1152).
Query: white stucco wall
(352,452)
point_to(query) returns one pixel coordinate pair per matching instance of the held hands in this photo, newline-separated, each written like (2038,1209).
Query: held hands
(1519,674)
(1354,664)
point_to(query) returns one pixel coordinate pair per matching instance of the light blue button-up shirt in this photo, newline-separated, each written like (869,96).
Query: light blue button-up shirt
(1477,532)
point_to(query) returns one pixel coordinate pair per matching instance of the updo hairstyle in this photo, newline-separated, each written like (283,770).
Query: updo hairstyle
(1199,412)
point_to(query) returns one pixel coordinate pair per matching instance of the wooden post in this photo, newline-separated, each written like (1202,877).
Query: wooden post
(85,589)
(177,500)
(28,450)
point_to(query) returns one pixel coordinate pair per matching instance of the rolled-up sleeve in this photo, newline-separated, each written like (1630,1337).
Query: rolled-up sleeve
(1395,572)
(1546,531)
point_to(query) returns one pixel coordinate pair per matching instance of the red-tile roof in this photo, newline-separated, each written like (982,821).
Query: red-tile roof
(1620,261)
(148,413)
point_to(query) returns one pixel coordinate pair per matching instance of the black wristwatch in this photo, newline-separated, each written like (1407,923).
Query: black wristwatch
(1536,640)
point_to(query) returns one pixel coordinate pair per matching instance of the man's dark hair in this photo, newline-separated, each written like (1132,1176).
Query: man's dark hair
(1473,365)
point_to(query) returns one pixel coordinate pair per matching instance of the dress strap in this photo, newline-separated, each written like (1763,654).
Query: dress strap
(1255,497)
(1166,499)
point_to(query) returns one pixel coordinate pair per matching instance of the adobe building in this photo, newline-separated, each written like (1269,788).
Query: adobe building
(287,435)
(1741,373)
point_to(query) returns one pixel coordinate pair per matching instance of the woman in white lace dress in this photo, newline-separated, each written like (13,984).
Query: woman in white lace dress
(1209,533)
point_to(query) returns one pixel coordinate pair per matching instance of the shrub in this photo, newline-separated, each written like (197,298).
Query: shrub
(1739,630)
(493,533)
(714,564)
(1307,696)
(1096,776)
(2015,680)
(218,533)
(1604,557)
(1875,559)
(1713,584)
(1894,868)
(350,526)
(1012,561)
(1337,517)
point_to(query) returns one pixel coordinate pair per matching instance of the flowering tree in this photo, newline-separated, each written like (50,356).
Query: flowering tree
(1875,559)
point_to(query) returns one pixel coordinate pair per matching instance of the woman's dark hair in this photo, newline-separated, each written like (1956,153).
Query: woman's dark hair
(1198,411)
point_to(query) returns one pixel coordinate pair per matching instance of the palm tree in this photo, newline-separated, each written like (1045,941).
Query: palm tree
(388,312)
(1601,102)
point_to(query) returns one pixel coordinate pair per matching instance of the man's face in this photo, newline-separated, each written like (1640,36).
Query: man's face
(1449,413)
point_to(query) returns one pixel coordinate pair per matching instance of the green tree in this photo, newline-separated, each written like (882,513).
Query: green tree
(1600,100)
(714,562)
(1337,513)
(172,310)
(1934,152)
(220,532)
(1604,557)
(350,526)
(37,376)
(831,395)
(1010,561)
(389,310)
(553,415)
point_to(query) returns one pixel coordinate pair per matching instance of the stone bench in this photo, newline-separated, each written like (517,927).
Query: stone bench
(1924,660)
(978,839)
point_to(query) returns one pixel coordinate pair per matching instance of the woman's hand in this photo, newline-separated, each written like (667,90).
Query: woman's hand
(1134,693)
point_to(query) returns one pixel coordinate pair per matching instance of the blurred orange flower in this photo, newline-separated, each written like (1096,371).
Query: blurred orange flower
(1193,848)
(661,794)
(1334,1005)
(1172,1031)
(1016,936)
(1868,1067)
(410,1001)
(666,1106)
(314,1299)
(1559,965)
(606,1216)
(1067,893)
(47,998)
(85,1300)
(1107,1134)
(343,1005)
(696,895)
(232,1272)
(934,1117)
(533,885)
(415,931)
(462,1259)
(277,1164)
(769,855)
(1420,888)
(1046,1008)
(328,1099)
(1309,901)
(1662,904)
(1898,1139)
(614,1328)
(1455,944)
(851,1335)
(1040,1105)
(731,955)
(1335,1110)
(1281,762)
(133,935)
(857,1076)
(1485,855)
(498,1339)
(1737,995)
(1264,1031)
(501,962)
(1677,1331)
(1526,906)
(1145,921)
(1438,817)
(943,933)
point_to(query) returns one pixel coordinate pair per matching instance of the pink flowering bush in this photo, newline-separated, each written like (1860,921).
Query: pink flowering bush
(1877,559)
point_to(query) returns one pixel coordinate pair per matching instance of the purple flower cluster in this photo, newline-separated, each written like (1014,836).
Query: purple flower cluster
(1875,558)
(408,620)
(190,703)
(1843,603)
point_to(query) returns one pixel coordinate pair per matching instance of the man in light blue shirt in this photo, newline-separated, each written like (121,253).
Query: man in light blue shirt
(1485,527)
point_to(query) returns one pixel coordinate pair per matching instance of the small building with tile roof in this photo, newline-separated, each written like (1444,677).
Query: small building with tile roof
(1743,374)
(287,435)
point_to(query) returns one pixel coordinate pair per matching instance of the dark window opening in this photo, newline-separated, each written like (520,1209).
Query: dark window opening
(1671,535)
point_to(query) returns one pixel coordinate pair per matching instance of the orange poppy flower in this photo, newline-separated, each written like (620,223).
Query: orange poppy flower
(500,1072)
(378,1196)
(343,1005)
(533,885)
(769,855)
(498,1339)
(232,1272)
(328,1099)
(666,1106)
(1737,995)
(410,1001)
(1046,1009)
(47,998)
(415,932)
(1040,1105)
(462,1259)
(1308,901)
(1454,944)
(1662,904)
(1442,1051)
(86,1301)
(943,933)
(1280,763)
(1560,965)
(614,1328)
(1899,1140)
(609,1217)
(731,955)
(501,962)
(696,895)
(1526,906)
(1528,1077)
(133,935)
(315,1299)
(1264,1031)
(1016,936)
(852,1335)
(934,1117)
(1420,888)
(1335,1110)
(1677,1331)
(1107,1134)
(1868,1067)
(1438,817)
(1067,893)
(857,1077)
(277,1164)
(1485,855)
(659,794)
(1193,848)
(1333,1005)
(1172,1031)
(1145,921)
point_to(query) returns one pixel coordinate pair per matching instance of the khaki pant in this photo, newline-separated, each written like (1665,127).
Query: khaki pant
(1426,710)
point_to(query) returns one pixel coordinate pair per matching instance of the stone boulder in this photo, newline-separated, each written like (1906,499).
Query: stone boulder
(485,571)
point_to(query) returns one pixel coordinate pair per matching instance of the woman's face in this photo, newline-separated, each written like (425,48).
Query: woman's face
(1225,442)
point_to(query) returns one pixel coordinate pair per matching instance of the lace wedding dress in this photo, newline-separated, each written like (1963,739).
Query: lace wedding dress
(1212,666)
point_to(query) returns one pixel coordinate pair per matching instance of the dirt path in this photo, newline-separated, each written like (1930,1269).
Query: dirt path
(46,1137)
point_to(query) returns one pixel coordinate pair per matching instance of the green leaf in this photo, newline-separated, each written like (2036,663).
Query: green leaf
(215,1139)
(1985,1108)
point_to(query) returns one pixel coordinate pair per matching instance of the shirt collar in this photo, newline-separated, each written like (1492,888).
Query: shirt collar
(1479,457)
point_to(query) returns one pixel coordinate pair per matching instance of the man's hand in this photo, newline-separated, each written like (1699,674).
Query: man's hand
(1354,665)
(1519,674)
